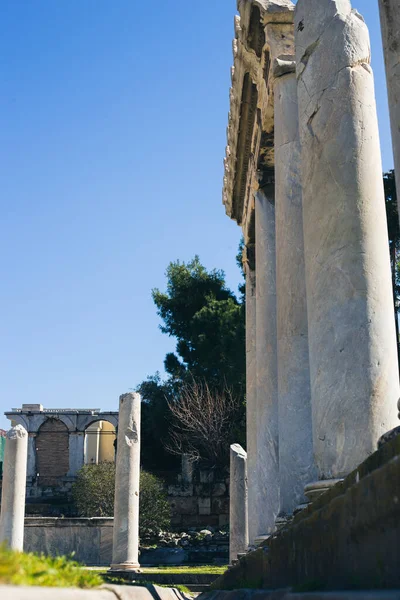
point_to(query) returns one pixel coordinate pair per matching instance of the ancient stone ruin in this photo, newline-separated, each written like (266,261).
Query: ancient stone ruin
(303,179)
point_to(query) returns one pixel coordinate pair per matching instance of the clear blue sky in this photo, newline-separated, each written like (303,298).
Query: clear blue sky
(112,130)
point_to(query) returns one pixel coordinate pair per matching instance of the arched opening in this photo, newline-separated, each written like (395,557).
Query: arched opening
(52,452)
(100,443)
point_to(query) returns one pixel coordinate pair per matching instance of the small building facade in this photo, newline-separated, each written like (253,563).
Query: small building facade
(61,441)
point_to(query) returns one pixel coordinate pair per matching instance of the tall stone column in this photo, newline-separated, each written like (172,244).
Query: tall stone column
(353,356)
(251,398)
(76,452)
(296,458)
(390,24)
(267,468)
(14,487)
(238,521)
(125,555)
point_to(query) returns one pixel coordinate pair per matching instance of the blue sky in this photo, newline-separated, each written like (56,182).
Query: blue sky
(112,129)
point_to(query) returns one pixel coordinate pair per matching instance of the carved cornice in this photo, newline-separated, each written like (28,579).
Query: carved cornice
(263,34)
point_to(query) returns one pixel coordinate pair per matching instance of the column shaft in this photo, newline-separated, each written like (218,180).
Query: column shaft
(296,460)
(14,488)
(353,355)
(390,24)
(238,522)
(251,401)
(126,505)
(267,468)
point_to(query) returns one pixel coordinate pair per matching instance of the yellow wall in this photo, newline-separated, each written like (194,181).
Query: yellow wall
(99,443)
(107,437)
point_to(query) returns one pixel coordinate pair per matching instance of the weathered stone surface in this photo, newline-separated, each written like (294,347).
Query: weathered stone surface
(348,538)
(13,489)
(239,530)
(390,23)
(8,592)
(267,468)
(89,539)
(126,505)
(251,399)
(296,459)
(353,355)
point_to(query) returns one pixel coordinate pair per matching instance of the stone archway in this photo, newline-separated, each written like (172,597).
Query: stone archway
(99,444)
(52,452)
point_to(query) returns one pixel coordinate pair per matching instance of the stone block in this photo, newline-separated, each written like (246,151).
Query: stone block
(183,506)
(199,521)
(223,520)
(204,506)
(219,489)
(220,506)
(184,490)
(206,476)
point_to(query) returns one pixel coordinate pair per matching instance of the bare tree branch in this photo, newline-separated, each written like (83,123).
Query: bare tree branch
(204,421)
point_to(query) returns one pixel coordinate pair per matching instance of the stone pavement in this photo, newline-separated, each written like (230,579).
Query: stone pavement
(106,592)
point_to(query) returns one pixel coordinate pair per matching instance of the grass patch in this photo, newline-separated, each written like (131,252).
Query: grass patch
(17,568)
(171,570)
(197,570)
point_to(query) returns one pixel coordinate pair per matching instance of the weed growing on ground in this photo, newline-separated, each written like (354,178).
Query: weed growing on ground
(17,568)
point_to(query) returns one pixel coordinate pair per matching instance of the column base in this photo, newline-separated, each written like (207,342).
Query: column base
(387,437)
(126,566)
(299,508)
(316,489)
(261,539)
(282,520)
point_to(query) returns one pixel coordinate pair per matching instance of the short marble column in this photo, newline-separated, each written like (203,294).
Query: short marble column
(187,469)
(125,555)
(238,521)
(267,468)
(390,25)
(14,488)
(251,400)
(76,452)
(296,457)
(353,354)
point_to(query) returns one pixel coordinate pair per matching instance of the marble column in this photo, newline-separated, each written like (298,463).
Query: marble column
(267,467)
(353,355)
(251,399)
(296,458)
(14,488)
(238,521)
(125,556)
(76,452)
(390,25)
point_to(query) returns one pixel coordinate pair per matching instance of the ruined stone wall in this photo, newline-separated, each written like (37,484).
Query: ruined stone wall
(91,542)
(203,502)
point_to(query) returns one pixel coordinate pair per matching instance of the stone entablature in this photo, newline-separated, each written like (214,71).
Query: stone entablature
(32,416)
(263,36)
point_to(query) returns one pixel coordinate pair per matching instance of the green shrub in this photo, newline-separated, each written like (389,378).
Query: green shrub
(93,491)
(17,568)
(93,494)
(154,510)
